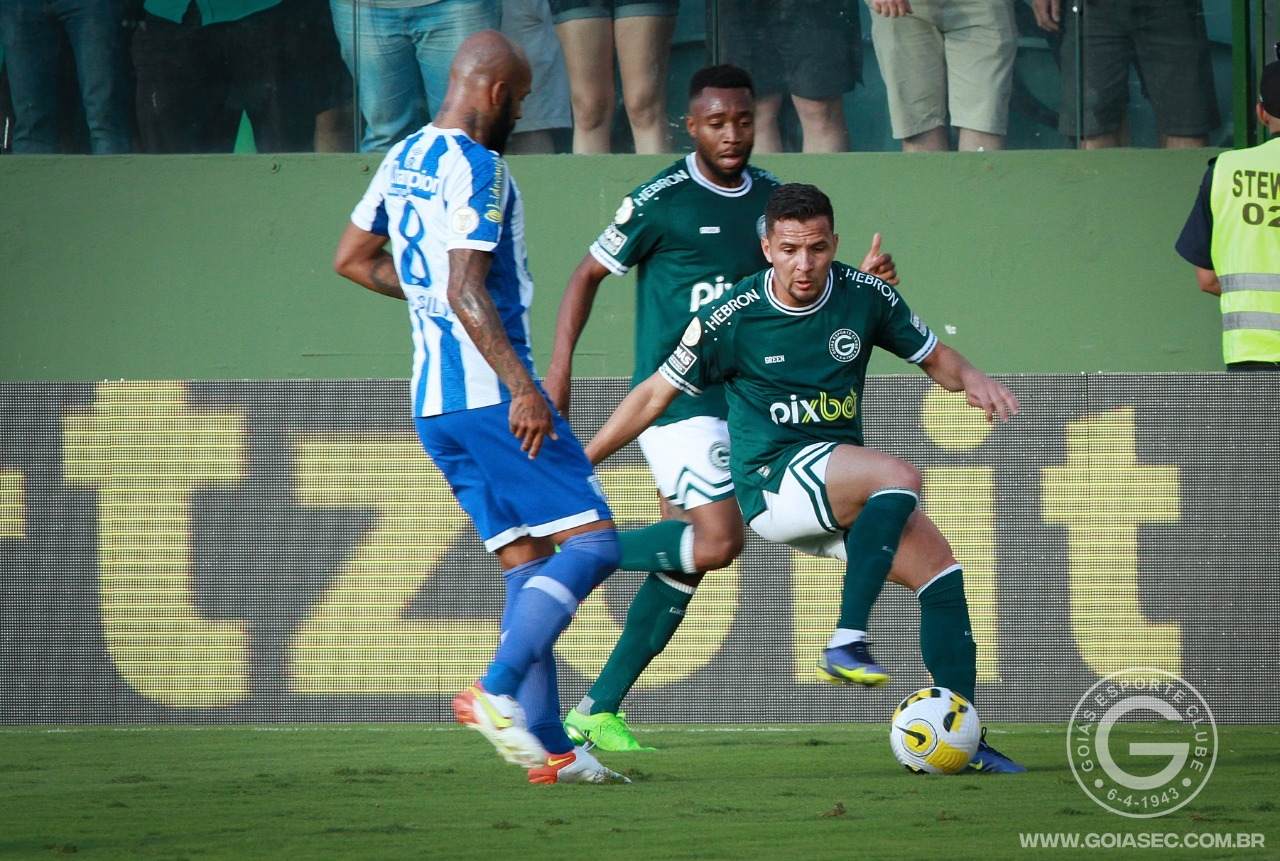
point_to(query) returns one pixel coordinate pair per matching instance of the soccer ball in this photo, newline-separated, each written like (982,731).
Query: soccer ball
(935,731)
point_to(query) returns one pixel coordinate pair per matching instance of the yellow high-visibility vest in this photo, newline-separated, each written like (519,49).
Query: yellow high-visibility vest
(1245,200)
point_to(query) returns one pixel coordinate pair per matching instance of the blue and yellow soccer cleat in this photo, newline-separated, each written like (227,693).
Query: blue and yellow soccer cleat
(988,760)
(604,730)
(851,664)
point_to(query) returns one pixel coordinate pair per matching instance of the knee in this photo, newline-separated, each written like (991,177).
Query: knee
(606,550)
(819,115)
(599,549)
(717,550)
(902,475)
(592,110)
(644,104)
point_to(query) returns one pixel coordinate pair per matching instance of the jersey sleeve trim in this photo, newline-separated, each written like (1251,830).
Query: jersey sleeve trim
(473,244)
(923,353)
(679,382)
(370,213)
(607,260)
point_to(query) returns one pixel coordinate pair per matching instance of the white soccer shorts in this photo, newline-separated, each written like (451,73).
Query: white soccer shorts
(689,460)
(799,514)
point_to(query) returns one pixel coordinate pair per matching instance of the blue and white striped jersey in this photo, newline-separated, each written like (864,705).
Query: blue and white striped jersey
(435,191)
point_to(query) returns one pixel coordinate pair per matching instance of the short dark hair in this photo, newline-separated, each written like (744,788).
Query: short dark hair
(1269,89)
(797,201)
(722,77)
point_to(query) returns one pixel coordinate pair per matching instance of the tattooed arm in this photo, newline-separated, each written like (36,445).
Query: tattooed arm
(529,415)
(361,258)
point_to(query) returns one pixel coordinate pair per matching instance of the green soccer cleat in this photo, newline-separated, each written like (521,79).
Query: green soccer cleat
(605,730)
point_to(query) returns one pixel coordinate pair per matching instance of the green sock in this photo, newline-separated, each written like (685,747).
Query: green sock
(871,543)
(656,612)
(653,548)
(946,639)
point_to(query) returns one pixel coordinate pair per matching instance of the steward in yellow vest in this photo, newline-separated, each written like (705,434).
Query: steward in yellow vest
(1232,237)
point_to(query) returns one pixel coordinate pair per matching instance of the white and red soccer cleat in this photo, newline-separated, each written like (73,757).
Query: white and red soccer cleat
(501,720)
(576,766)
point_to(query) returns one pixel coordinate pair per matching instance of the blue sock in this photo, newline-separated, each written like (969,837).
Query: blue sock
(503,679)
(540,698)
(540,609)
(538,693)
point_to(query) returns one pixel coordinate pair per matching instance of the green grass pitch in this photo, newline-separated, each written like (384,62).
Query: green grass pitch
(397,791)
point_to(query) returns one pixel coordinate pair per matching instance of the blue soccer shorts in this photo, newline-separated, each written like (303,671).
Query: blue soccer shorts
(507,495)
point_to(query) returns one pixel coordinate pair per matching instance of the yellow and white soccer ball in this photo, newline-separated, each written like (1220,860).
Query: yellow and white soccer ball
(935,730)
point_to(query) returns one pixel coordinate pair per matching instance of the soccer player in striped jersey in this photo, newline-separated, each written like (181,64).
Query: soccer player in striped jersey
(691,231)
(447,202)
(791,346)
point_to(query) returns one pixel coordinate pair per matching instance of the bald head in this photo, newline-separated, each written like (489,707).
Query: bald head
(488,55)
(488,81)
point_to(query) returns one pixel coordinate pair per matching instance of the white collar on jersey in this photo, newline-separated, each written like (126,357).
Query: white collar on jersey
(797,312)
(691,162)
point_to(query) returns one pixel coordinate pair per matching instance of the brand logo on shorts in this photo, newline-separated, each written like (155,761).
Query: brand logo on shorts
(844,345)
(719,455)
(823,408)
(594,481)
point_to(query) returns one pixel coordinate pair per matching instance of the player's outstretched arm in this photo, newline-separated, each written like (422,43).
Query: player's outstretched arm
(529,415)
(639,409)
(361,258)
(954,373)
(575,309)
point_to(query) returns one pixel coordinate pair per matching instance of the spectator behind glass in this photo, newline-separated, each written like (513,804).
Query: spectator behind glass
(946,62)
(399,53)
(200,64)
(316,62)
(527,23)
(641,30)
(810,49)
(1167,41)
(30,30)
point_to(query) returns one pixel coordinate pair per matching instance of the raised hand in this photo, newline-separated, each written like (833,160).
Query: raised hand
(879,264)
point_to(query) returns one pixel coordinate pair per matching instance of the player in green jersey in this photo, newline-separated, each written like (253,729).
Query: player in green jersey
(791,346)
(691,231)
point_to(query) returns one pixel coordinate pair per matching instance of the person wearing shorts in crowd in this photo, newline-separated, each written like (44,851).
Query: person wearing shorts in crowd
(809,49)
(589,32)
(527,23)
(946,63)
(1165,39)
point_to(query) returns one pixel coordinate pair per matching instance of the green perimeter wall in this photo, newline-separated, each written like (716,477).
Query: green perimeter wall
(218,267)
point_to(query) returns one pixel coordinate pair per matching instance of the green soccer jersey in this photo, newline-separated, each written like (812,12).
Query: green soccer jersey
(794,376)
(691,240)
